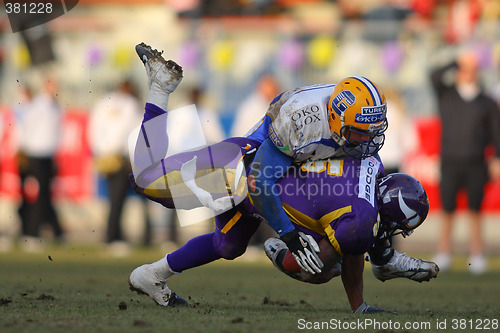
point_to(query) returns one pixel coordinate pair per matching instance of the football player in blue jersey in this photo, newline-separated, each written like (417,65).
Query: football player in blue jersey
(331,231)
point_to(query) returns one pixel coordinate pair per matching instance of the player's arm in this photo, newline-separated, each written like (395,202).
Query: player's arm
(437,77)
(352,278)
(268,166)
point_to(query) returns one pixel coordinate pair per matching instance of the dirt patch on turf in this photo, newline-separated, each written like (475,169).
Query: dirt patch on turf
(237,320)
(141,323)
(268,301)
(45,297)
(122,306)
(5,301)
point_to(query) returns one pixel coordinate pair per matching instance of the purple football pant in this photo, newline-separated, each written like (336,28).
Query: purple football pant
(233,230)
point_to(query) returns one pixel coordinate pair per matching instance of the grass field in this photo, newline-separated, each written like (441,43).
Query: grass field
(80,290)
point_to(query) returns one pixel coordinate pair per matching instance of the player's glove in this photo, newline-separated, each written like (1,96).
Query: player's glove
(365,308)
(304,249)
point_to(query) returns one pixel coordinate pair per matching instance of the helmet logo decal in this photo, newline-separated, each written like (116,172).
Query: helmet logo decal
(372,118)
(343,101)
(410,214)
(368,110)
(371,114)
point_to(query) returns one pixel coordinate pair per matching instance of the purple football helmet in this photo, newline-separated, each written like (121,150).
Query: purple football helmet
(403,202)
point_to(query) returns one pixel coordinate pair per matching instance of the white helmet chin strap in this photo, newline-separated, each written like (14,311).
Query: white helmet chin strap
(342,122)
(340,137)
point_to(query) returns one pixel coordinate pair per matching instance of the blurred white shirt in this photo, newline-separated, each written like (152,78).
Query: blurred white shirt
(41,127)
(111,121)
(400,138)
(249,113)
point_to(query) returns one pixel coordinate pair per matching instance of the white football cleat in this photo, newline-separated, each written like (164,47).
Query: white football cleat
(146,280)
(163,75)
(402,265)
(273,247)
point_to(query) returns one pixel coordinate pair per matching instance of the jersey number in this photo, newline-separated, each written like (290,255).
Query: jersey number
(332,167)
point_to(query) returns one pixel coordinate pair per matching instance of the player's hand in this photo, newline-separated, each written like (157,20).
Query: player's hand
(365,308)
(305,250)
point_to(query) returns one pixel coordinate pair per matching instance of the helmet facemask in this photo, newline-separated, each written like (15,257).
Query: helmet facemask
(353,144)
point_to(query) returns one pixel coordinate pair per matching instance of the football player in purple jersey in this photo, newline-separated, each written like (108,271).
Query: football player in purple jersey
(340,208)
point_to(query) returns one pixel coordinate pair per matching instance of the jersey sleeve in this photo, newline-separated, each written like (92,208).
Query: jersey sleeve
(281,132)
(268,166)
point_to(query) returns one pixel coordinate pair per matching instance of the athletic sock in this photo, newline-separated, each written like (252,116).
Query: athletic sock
(163,268)
(198,251)
(158,97)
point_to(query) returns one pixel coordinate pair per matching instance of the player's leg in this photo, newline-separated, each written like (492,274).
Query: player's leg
(450,183)
(213,176)
(475,183)
(387,263)
(233,230)
(230,239)
(163,78)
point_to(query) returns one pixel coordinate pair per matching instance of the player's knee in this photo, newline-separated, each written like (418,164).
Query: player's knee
(315,278)
(320,278)
(230,252)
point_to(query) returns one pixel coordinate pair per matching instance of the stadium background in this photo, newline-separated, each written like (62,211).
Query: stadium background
(224,46)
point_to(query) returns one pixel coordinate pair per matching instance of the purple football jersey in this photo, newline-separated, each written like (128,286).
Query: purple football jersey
(334,198)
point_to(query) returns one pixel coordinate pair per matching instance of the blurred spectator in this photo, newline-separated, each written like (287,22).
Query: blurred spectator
(24,99)
(400,137)
(470,121)
(210,122)
(40,130)
(254,107)
(111,122)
